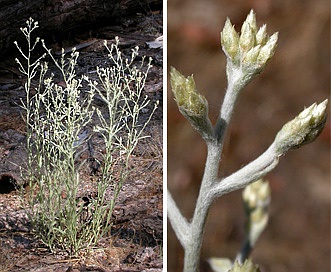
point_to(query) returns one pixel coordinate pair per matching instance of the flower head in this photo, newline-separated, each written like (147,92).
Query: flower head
(256,198)
(186,95)
(303,129)
(257,195)
(252,48)
(191,104)
(247,266)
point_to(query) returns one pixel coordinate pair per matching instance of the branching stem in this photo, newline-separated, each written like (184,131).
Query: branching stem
(247,55)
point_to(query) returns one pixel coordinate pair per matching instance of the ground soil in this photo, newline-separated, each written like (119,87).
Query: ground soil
(135,242)
(298,235)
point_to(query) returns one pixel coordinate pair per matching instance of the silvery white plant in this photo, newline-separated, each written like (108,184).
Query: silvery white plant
(59,124)
(247,55)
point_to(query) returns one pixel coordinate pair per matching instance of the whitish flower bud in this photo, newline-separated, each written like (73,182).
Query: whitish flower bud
(186,95)
(247,266)
(302,129)
(220,264)
(247,37)
(230,40)
(251,19)
(268,50)
(256,198)
(257,194)
(261,36)
(251,55)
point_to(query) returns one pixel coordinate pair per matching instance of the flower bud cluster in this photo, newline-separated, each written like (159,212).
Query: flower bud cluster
(256,197)
(303,129)
(186,95)
(191,104)
(252,48)
(247,266)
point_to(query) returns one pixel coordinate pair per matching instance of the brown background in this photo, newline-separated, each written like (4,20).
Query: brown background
(298,235)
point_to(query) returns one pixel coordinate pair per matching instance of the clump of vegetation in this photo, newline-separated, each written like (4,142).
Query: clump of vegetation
(247,55)
(60,122)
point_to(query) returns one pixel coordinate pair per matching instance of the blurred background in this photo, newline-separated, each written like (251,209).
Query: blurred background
(298,235)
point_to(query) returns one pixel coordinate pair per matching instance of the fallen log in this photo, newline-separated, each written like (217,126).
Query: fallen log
(60,17)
